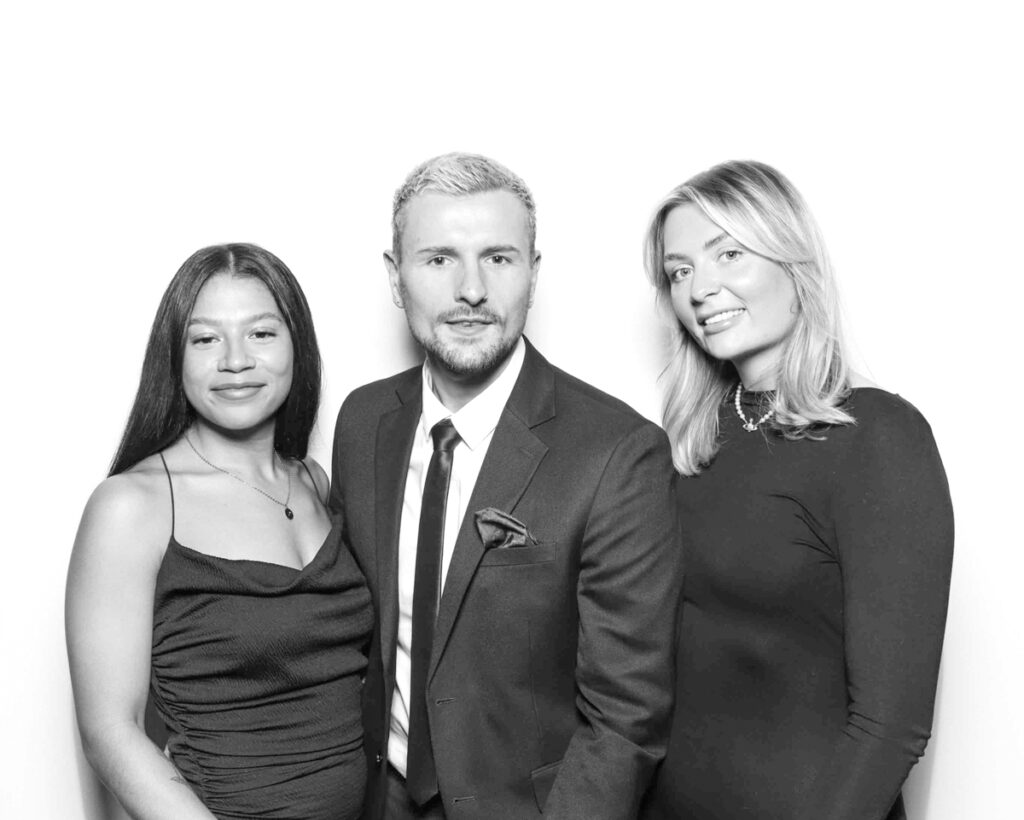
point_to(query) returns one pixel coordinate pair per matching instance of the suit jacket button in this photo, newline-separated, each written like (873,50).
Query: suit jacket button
(379,758)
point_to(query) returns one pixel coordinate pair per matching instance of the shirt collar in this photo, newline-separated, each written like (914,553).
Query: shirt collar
(478,418)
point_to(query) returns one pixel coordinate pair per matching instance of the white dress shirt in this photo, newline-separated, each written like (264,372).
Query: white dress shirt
(475,424)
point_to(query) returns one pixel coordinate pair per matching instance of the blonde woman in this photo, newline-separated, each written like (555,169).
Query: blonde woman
(818,531)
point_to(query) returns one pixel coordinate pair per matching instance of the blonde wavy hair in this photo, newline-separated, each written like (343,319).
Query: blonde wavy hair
(759,208)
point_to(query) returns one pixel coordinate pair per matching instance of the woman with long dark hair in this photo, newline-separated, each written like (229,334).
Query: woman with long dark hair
(207,571)
(817,526)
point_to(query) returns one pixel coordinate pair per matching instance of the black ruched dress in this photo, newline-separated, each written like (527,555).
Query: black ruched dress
(257,673)
(814,601)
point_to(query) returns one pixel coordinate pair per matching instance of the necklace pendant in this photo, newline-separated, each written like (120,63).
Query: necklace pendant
(750,428)
(288,513)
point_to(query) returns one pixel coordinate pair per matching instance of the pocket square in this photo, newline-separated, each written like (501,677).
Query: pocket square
(499,530)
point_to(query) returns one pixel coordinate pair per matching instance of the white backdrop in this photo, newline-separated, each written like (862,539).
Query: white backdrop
(134,134)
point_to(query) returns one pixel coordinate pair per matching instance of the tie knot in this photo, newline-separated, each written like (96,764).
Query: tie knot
(445,436)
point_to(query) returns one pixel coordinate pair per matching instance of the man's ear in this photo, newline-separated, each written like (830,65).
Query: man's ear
(394,278)
(534,270)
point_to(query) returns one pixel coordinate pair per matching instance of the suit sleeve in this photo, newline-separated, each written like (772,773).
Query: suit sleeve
(628,592)
(894,529)
(336,498)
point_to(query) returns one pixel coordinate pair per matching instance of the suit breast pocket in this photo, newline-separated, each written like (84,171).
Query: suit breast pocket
(511,556)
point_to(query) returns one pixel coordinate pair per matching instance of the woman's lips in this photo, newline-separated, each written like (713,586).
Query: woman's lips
(722,320)
(237,392)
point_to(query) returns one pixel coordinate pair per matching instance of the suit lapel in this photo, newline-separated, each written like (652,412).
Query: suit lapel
(512,458)
(395,434)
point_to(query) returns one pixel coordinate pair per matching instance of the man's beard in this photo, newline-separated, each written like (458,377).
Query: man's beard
(470,360)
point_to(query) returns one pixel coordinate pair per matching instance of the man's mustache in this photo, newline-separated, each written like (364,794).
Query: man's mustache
(466,315)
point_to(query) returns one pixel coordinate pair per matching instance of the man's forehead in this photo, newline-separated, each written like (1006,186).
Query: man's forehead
(489,213)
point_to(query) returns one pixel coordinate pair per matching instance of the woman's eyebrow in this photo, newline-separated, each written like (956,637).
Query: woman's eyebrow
(712,242)
(258,317)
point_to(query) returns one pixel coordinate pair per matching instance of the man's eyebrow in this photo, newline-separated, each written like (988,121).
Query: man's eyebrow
(257,317)
(501,249)
(436,250)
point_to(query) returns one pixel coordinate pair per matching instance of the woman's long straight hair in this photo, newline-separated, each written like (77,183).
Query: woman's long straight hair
(161,413)
(759,208)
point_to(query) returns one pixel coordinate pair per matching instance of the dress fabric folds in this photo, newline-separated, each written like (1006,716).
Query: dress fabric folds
(257,671)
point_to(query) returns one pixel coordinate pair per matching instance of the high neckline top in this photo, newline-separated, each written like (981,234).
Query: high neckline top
(816,576)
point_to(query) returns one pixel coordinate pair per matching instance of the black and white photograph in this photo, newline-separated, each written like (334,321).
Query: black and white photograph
(485,411)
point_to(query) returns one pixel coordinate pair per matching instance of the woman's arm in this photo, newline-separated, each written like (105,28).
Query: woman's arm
(894,527)
(109,625)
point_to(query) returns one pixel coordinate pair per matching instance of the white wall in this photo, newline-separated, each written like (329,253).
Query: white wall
(133,136)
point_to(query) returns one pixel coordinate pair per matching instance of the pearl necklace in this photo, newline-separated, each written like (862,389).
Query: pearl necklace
(287,510)
(749,426)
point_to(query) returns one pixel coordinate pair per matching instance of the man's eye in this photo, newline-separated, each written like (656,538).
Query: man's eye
(437,261)
(498,259)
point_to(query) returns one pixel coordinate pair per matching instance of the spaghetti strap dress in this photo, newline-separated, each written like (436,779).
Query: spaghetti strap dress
(256,671)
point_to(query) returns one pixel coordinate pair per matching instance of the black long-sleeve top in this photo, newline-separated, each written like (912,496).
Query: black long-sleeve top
(816,582)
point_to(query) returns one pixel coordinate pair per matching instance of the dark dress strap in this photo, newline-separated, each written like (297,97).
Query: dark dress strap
(170,484)
(313,480)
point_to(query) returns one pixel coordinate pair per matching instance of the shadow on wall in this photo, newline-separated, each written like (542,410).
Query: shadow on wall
(919,785)
(97,802)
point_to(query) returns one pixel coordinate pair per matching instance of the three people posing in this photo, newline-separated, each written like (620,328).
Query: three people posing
(523,539)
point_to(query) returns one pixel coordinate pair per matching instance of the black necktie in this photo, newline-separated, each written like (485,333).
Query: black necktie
(421,776)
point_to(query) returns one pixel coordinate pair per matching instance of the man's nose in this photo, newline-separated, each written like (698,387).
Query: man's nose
(472,289)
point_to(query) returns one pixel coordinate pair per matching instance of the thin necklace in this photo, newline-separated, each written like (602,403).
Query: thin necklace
(287,510)
(749,426)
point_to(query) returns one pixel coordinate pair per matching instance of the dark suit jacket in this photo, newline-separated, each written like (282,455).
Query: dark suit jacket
(550,684)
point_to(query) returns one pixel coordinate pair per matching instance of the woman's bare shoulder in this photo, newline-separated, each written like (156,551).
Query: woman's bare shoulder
(133,505)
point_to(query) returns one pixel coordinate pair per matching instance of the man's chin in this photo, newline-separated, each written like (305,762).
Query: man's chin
(471,361)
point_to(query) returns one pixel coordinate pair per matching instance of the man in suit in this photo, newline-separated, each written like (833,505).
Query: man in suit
(517,530)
